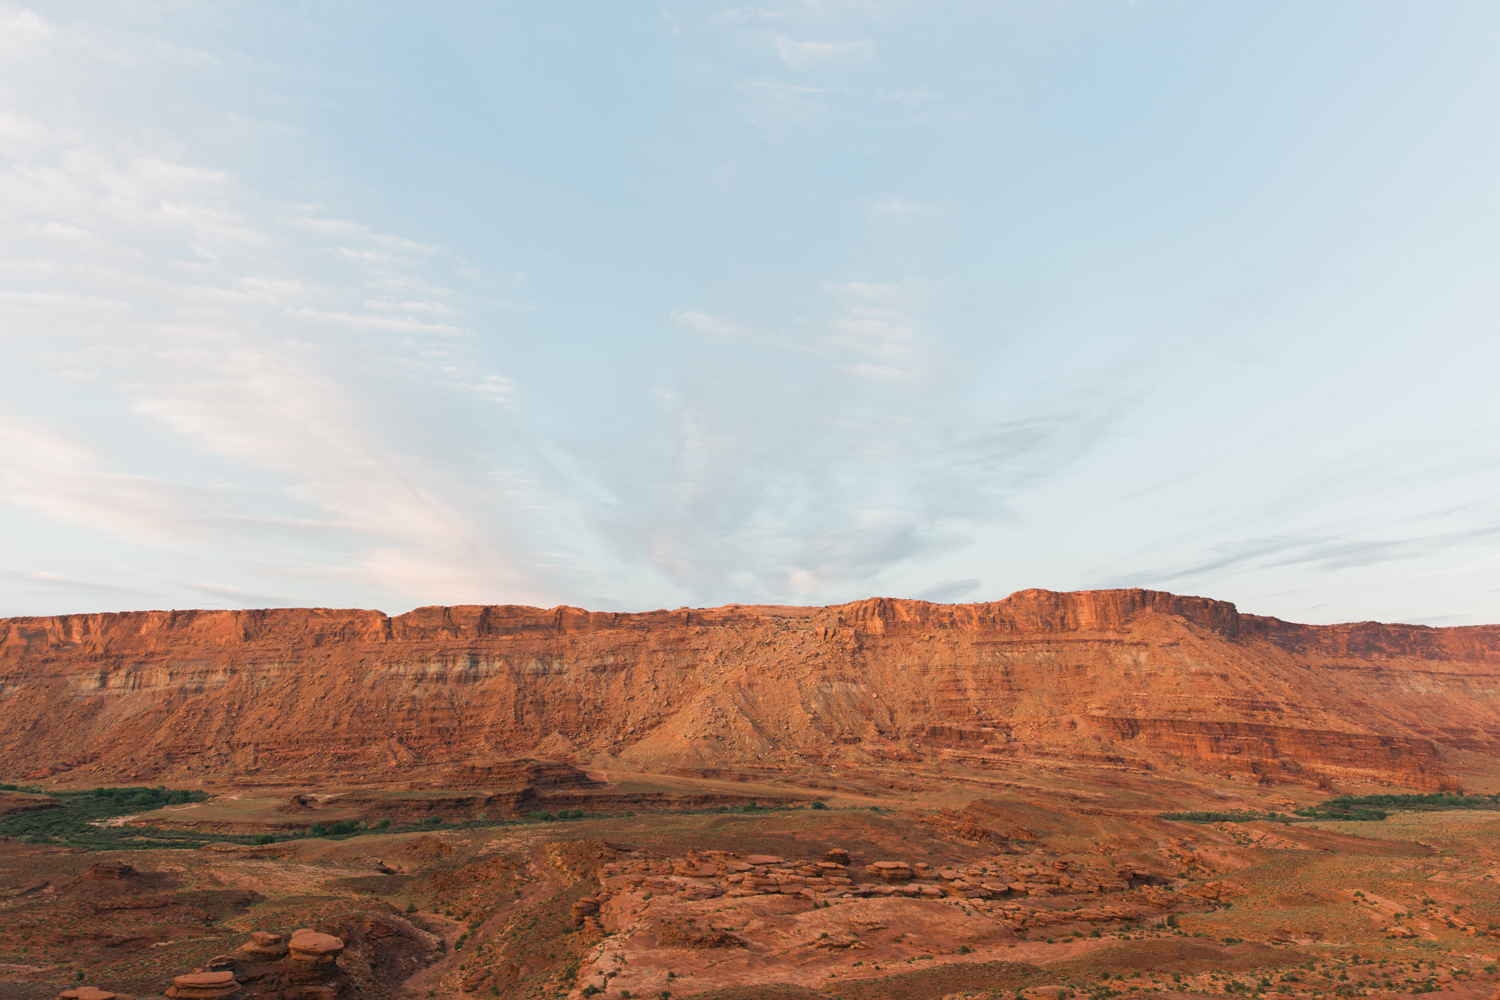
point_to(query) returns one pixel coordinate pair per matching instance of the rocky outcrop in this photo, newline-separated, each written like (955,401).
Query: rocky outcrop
(494,772)
(312,965)
(270,967)
(460,697)
(627,877)
(1276,754)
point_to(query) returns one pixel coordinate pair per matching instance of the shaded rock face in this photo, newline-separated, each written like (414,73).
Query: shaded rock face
(382,949)
(1137,677)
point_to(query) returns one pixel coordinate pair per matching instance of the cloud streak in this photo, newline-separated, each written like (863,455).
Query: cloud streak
(800,54)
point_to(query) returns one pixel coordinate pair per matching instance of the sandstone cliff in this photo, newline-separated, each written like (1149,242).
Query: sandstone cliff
(1141,678)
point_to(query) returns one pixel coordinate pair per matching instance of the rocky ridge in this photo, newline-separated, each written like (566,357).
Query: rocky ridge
(1134,679)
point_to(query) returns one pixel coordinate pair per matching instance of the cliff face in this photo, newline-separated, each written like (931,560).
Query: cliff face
(1143,678)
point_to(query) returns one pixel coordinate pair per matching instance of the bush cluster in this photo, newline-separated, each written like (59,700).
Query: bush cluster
(1232,816)
(80,818)
(543,816)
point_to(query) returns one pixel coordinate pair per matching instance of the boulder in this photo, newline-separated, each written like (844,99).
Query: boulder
(109,871)
(264,944)
(889,870)
(309,946)
(86,993)
(204,986)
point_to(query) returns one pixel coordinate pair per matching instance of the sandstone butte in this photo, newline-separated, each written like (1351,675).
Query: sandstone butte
(1137,678)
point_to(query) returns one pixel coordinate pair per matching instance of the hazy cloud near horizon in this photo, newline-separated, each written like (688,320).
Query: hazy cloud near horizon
(792,304)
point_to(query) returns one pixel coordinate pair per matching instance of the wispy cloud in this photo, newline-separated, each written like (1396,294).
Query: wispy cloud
(807,463)
(949,591)
(228,595)
(54,582)
(898,210)
(813,299)
(801,54)
(47,471)
(705,324)
(1328,553)
(239,332)
(782,110)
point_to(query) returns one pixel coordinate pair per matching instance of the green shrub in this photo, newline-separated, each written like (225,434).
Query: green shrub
(818,805)
(264,838)
(1234,816)
(73,821)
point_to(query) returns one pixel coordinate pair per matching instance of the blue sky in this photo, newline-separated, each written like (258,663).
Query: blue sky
(630,306)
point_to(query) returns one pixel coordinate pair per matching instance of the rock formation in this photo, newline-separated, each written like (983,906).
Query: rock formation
(1004,880)
(312,967)
(110,871)
(264,946)
(1128,678)
(214,985)
(269,967)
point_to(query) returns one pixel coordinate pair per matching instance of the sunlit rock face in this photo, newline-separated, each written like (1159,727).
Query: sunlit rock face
(453,696)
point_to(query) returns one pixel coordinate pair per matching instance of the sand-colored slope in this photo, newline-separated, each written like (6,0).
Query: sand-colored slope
(1140,677)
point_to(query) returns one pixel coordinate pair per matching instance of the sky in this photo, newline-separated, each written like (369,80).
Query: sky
(629,306)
